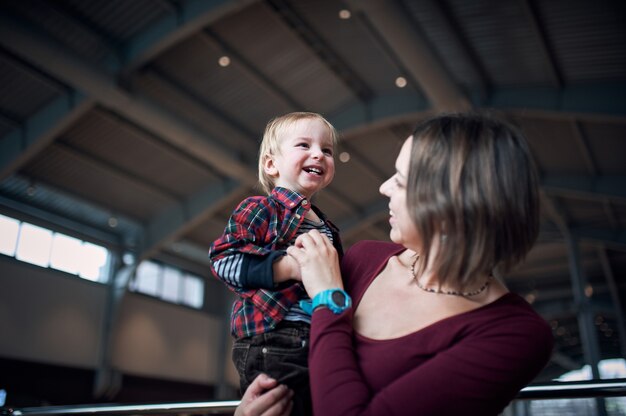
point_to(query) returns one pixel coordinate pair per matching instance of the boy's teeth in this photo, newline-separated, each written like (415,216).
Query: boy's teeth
(314,170)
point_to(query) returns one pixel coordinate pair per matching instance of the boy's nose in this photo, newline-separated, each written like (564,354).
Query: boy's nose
(316,153)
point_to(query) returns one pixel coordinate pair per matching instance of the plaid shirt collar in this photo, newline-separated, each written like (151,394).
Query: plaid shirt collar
(288,198)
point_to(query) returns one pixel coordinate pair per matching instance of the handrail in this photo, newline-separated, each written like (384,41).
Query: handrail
(574,389)
(125,409)
(556,390)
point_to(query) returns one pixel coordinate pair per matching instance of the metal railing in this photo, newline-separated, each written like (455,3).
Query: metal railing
(556,390)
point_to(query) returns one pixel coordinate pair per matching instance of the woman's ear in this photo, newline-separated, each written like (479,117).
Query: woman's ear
(269,167)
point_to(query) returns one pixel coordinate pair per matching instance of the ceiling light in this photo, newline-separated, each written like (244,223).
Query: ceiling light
(588,291)
(112,222)
(30,191)
(400,82)
(344,14)
(224,61)
(344,156)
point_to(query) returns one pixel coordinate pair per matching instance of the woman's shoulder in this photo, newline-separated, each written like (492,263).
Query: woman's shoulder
(511,311)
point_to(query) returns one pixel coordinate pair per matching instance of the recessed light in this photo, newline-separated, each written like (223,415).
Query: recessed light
(344,157)
(224,61)
(400,82)
(344,14)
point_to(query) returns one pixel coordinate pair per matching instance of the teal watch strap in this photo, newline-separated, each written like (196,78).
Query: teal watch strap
(337,300)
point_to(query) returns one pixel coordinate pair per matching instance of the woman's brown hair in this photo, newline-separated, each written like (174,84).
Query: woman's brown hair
(473,184)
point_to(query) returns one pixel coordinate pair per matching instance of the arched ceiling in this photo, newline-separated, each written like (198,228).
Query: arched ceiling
(111,108)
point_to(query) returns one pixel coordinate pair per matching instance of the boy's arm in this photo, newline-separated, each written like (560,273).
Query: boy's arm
(240,257)
(286,268)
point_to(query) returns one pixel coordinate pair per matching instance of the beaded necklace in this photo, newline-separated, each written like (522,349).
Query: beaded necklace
(447,292)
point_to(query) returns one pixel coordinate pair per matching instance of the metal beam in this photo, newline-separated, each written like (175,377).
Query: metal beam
(40,129)
(250,70)
(585,186)
(322,49)
(601,98)
(190,17)
(452,26)
(120,174)
(545,48)
(549,102)
(614,238)
(179,218)
(414,52)
(374,212)
(104,88)
(380,109)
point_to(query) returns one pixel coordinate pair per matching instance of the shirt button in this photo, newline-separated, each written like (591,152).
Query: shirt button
(298,216)
(305,202)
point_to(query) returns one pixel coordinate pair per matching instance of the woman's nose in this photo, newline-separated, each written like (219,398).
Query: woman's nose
(384,187)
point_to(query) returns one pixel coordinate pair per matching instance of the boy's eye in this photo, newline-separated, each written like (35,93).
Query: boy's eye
(328,152)
(302,144)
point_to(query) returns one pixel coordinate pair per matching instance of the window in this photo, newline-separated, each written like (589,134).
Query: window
(42,247)
(33,245)
(169,284)
(9,229)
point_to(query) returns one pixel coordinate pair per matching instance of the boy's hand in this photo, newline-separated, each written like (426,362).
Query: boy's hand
(286,268)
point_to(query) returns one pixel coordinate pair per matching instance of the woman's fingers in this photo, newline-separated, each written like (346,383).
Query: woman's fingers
(276,402)
(318,260)
(264,397)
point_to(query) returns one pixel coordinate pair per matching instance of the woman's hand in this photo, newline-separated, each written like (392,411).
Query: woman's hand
(265,397)
(319,263)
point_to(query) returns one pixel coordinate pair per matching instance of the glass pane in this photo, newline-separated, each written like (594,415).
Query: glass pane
(34,245)
(171,284)
(9,229)
(147,278)
(66,252)
(194,291)
(93,262)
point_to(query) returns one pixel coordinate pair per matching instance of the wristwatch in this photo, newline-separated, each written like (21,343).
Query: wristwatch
(337,300)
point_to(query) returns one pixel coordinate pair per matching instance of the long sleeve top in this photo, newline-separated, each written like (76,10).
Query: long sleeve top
(473,363)
(257,233)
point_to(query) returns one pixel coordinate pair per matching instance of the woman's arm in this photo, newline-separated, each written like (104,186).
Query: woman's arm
(479,374)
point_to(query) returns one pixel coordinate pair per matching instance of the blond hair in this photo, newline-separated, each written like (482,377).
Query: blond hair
(275,132)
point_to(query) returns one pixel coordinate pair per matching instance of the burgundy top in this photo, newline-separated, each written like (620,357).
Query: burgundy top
(473,363)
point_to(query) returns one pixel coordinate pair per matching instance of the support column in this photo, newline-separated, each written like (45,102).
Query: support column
(108,381)
(588,332)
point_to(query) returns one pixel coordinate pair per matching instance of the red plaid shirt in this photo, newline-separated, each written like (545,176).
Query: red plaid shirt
(261,229)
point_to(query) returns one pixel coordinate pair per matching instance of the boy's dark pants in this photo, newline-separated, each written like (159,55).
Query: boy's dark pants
(282,354)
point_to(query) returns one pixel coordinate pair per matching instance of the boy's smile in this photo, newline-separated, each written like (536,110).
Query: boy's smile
(305,162)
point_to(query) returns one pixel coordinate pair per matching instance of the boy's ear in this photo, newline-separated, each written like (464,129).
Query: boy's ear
(269,167)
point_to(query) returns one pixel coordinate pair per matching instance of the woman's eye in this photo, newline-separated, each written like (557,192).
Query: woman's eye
(398,183)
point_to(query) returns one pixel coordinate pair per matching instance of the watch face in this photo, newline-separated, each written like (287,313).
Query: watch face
(339,298)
